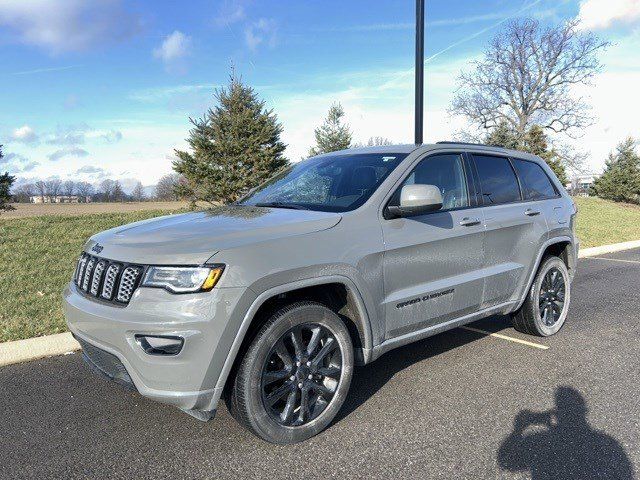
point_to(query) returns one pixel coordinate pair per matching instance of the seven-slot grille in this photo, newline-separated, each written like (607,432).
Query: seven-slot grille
(107,280)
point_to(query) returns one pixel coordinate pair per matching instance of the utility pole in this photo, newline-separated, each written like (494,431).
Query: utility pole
(419,100)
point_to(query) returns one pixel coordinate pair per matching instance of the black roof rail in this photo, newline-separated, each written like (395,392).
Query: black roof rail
(464,143)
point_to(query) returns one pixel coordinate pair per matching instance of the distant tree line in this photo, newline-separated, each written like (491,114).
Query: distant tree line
(107,190)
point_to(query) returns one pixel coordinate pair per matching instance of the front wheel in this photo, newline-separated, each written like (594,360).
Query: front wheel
(295,375)
(545,308)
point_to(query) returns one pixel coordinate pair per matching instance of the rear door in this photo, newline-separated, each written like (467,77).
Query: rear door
(433,262)
(515,228)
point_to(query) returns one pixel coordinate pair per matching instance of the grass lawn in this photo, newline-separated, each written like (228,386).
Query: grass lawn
(601,222)
(37,257)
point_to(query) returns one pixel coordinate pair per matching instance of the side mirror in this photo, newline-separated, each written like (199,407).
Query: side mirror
(416,200)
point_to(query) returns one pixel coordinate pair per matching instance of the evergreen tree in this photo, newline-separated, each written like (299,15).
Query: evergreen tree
(535,141)
(236,146)
(6,181)
(503,136)
(621,178)
(332,135)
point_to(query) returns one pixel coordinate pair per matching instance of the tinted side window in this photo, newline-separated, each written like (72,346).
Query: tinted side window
(497,180)
(445,172)
(535,182)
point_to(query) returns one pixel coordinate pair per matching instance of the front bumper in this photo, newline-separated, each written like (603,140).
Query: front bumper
(187,380)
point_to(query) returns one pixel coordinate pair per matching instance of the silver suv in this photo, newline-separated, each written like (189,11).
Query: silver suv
(273,300)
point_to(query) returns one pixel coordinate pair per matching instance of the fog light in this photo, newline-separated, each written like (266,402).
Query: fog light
(160,345)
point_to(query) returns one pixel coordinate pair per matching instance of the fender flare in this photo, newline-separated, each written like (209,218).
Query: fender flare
(309,282)
(545,245)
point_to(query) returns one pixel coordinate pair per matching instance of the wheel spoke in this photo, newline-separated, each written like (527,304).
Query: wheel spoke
(296,340)
(303,414)
(275,375)
(315,340)
(289,408)
(283,353)
(330,371)
(328,347)
(320,388)
(278,393)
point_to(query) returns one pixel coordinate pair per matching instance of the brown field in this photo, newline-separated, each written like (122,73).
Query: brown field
(37,209)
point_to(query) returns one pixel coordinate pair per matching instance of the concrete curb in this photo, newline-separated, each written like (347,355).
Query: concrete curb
(51,345)
(34,348)
(616,247)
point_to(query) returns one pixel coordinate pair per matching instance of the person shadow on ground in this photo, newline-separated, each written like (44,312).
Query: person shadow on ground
(560,444)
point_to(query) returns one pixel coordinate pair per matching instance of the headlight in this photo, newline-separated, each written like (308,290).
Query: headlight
(183,279)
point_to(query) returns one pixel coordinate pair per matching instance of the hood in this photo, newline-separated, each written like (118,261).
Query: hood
(192,238)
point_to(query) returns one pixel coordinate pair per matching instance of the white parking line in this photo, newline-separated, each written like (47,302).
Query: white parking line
(505,337)
(615,260)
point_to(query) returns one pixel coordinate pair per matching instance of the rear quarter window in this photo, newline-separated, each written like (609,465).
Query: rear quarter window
(536,185)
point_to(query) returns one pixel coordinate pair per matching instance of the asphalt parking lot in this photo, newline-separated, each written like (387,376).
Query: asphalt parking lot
(459,405)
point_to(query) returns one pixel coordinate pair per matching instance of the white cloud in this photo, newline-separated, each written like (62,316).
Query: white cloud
(67,25)
(67,152)
(174,49)
(261,32)
(24,134)
(69,135)
(17,163)
(112,136)
(230,12)
(601,14)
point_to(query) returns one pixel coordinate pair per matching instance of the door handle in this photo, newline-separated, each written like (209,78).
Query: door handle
(531,213)
(469,222)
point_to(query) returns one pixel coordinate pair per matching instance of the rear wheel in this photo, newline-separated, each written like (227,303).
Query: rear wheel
(295,376)
(545,308)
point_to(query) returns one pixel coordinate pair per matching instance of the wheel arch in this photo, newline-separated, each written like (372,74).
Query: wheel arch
(325,290)
(562,247)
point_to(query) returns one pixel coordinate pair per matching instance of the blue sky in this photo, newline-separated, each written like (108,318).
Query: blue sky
(101,89)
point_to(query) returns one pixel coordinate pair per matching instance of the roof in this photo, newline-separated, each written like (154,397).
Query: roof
(408,148)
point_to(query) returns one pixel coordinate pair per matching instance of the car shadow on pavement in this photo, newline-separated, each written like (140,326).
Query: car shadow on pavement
(560,443)
(367,380)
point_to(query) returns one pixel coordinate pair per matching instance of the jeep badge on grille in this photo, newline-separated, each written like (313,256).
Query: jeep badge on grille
(97,248)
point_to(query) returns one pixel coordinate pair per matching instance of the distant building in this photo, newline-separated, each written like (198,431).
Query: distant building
(59,199)
(580,186)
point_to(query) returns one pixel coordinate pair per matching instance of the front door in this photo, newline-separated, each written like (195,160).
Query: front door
(433,262)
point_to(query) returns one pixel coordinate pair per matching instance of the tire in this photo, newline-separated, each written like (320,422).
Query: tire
(545,309)
(271,384)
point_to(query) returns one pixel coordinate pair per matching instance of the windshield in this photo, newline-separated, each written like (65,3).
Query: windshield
(336,183)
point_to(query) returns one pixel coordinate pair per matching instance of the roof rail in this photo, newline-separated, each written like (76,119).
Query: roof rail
(463,143)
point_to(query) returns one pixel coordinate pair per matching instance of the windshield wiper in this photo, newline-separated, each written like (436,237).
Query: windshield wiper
(292,206)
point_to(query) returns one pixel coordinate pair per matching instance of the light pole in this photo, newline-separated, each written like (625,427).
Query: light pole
(419,94)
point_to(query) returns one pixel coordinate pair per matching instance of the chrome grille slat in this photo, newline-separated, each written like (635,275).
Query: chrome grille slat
(110,281)
(107,280)
(87,273)
(127,283)
(97,277)
(80,270)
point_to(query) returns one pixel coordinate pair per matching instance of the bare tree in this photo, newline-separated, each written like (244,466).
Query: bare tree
(373,142)
(41,188)
(53,187)
(138,192)
(527,77)
(106,190)
(165,189)
(84,190)
(69,187)
(24,192)
(117,193)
